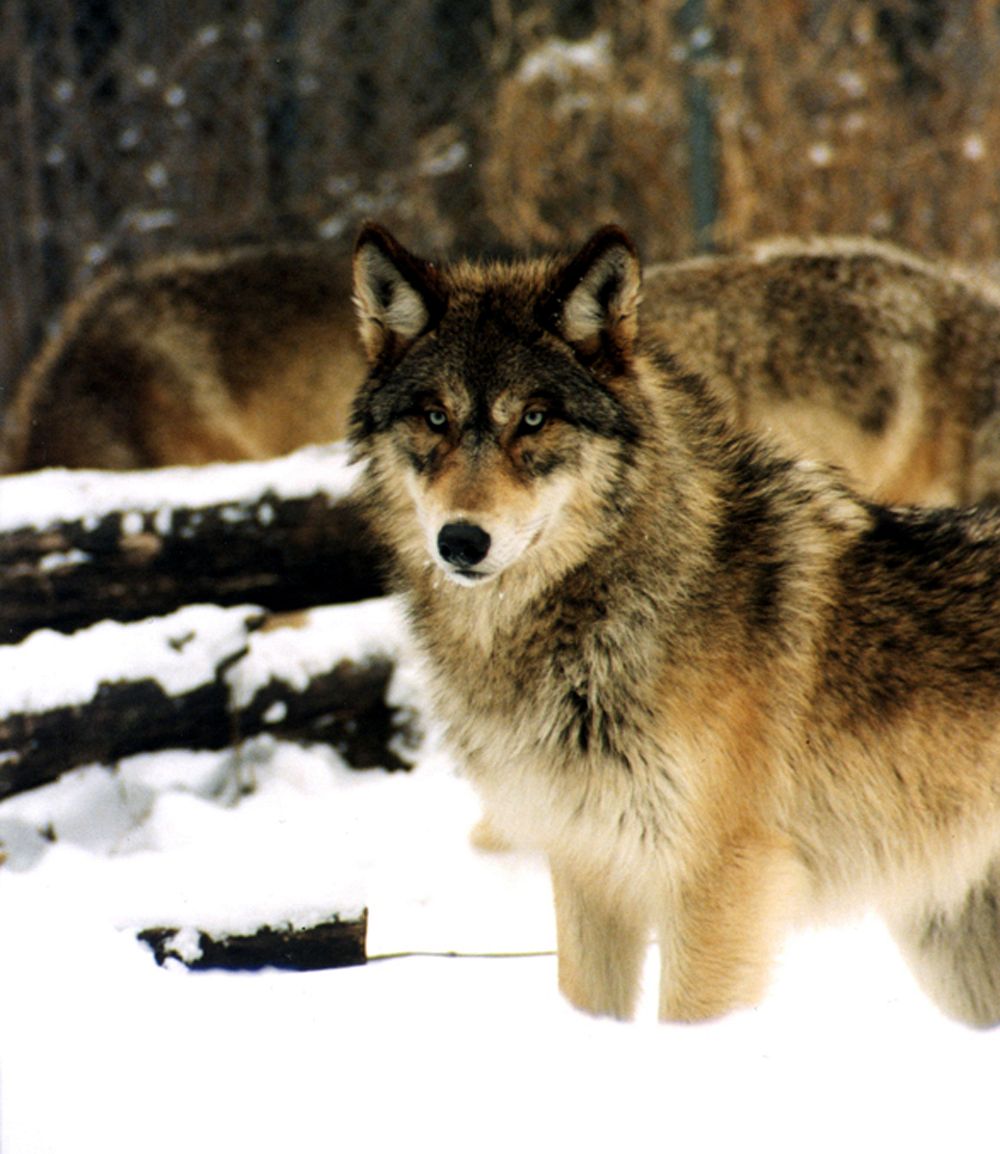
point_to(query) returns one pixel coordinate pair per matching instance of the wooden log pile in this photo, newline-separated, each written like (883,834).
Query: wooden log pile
(132,606)
(195,608)
(181,681)
(80,546)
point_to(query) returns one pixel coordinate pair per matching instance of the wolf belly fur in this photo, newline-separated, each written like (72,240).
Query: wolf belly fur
(719,691)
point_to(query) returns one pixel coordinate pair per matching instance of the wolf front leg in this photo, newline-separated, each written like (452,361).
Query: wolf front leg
(601,941)
(722,929)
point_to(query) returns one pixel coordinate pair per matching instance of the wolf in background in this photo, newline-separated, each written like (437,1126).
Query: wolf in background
(240,354)
(722,694)
(848,351)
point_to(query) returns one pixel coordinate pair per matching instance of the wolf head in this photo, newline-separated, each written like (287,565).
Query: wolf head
(500,412)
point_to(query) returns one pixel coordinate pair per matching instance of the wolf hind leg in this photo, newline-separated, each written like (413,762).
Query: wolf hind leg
(955,953)
(602,942)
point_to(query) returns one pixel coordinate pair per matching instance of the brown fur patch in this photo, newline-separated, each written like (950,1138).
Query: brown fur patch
(849,351)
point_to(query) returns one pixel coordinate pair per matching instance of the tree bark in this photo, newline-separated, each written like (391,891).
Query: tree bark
(131,712)
(339,941)
(282,554)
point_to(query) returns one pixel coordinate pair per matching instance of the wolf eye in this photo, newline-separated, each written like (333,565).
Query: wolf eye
(437,419)
(533,420)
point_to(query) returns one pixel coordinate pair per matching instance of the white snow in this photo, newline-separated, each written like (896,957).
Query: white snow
(180,651)
(52,562)
(35,500)
(560,60)
(104,1052)
(185,945)
(821,154)
(448,160)
(350,632)
(973,147)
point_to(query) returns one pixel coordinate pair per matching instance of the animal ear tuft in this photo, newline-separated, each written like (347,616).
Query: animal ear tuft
(594,303)
(395,293)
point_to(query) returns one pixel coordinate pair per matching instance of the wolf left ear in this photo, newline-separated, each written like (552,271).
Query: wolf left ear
(594,302)
(395,293)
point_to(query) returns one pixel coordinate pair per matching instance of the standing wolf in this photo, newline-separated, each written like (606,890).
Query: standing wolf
(721,693)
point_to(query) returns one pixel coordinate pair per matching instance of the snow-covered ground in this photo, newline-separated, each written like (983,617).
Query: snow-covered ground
(103,1052)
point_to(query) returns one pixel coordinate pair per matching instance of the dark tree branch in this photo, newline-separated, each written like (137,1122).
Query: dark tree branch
(339,941)
(282,554)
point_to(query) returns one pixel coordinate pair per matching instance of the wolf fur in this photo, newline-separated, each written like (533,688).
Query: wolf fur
(721,693)
(849,351)
(246,353)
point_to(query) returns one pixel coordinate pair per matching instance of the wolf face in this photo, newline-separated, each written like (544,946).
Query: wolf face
(499,417)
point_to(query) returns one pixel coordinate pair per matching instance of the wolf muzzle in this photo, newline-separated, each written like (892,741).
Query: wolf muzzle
(462,544)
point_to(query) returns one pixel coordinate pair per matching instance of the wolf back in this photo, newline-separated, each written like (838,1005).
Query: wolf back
(849,351)
(238,354)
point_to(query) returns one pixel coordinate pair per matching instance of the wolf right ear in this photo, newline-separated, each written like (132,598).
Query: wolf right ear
(594,302)
(395,293)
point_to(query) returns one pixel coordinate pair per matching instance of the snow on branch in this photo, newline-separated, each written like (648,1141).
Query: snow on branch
(204,677)
(79,546)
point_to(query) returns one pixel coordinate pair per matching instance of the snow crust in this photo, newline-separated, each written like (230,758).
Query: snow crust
(325,636)
(36,500)
(180,651)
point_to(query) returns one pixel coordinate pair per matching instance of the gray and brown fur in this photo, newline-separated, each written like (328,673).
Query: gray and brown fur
(721,693)
(243,354)
(849,351)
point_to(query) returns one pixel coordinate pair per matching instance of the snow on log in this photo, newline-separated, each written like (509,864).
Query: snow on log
(78,546)
(336,941)
(204,677)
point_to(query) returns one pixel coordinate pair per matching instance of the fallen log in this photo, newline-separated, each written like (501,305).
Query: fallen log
(79,546)
(328,944)
(204,677)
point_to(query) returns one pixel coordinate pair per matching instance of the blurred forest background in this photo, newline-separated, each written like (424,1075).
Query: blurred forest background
(130,129)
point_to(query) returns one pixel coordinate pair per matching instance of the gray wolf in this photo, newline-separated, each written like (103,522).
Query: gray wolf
(849,351)
(720,692)
(240,354)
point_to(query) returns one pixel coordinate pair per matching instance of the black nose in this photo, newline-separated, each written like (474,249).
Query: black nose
(463,545)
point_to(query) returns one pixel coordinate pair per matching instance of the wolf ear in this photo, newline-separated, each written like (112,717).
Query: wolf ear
(395,293)
(594,302)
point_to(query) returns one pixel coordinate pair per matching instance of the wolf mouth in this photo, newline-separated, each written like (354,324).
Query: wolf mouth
(470,574)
